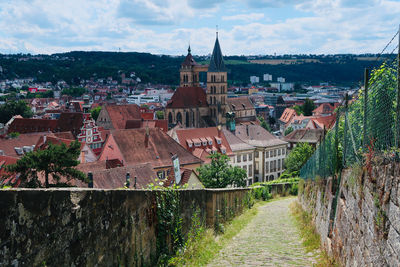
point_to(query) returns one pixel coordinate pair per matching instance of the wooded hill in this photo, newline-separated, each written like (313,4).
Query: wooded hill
(74,66)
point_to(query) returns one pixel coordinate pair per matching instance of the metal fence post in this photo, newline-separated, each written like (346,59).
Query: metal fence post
(366,80)
(345,130)
(397,143)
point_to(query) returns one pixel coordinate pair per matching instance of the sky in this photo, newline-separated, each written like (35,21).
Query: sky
(245,27)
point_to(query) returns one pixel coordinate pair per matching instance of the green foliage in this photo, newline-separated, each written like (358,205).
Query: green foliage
(74,91)
(262,193)
(160,114)
(308,107)
(11,108)
(14,134)
(219,174)
(264,124)
(169,224)
(56,162)
(95,112)
(298,156)
(298,109)
(288,130)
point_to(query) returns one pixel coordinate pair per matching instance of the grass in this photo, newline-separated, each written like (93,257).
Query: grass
(310,236)
(207,246)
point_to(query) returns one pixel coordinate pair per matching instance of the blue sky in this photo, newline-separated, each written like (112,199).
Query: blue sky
(246,27)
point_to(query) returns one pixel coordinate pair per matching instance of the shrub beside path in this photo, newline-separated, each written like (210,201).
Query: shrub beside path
(270,239)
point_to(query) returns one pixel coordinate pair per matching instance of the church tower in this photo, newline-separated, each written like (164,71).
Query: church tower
(189,74)
(217,85)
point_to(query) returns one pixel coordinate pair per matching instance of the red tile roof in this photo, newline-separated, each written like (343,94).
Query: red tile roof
(203,133)
(24,125)
(116,177)
(287,115)
(147,115)
(324,121)
(8,145)
(5,177)
(119,114)
(161,147)
(324,108)
(240,103)
(188,97)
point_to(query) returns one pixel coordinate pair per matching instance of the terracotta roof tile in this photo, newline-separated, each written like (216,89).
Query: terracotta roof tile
(30,139)
(187,97)
(287,115)
(201,134)
(161,147)
(119,114)
(240,103)
(304,135)
(255,135)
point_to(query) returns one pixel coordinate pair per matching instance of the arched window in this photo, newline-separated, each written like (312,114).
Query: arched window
(179,118)
(187,119)
(170,118)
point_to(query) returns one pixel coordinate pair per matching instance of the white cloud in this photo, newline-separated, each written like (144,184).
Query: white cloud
(158,26)
(245,17)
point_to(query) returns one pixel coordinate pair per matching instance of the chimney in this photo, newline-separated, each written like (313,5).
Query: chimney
(219,131)
(44,139)
(128,180)
(146,138)
(90,177)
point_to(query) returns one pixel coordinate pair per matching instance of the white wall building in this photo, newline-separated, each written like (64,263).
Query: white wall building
(267,77)
(254,79)
(142,99)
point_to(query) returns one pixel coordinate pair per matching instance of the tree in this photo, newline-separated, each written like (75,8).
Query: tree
(160,114)
(288,130)
(219,174)
(11,108)
(55,162)
(298,157)
(264,124)
(95,112)
(308,107)
(298,109)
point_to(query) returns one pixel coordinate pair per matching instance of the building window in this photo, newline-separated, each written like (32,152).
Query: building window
(279,164)
(283,151)
(267,167)
(267,154)
(256,154)
(244,157)
(279,152)
(250,173)
(161,174)
(238,158)
(250,156)
(245,168)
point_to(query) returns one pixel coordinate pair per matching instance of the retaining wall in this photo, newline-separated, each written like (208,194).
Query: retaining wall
(87,227)
(365,230)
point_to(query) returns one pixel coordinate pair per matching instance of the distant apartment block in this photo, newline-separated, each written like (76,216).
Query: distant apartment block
(282,86)
(267,77)
(254,79)
(280,80)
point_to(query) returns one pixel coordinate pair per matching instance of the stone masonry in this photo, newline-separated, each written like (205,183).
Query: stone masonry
(366,227)
(89,227)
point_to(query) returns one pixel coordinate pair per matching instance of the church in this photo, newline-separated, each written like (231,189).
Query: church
(193,107)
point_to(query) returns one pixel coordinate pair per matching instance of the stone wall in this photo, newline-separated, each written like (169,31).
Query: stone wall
(87,227)
(365,230)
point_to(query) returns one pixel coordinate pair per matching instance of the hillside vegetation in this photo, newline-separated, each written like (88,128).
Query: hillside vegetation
(75,66)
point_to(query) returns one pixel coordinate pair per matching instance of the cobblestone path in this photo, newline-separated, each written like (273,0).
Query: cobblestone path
(270,239)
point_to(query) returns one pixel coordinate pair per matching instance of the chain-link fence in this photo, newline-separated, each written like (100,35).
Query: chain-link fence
(367,121)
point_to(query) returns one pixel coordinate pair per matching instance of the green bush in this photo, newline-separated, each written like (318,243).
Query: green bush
(262,193)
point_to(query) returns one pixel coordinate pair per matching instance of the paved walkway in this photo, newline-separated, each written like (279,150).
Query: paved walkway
(270,239)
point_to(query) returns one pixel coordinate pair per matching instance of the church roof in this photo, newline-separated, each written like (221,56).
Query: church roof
(188,97)
(189,60)
(217,62)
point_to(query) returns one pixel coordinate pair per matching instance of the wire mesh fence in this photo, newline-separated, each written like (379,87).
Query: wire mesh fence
(367,121)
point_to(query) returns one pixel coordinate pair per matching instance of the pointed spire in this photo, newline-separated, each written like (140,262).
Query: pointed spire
(189,50)
(217,61)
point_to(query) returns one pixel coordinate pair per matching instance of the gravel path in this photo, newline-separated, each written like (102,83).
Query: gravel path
(270,239)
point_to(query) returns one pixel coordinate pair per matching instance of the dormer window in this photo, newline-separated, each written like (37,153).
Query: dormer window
(218,140)
(209,140)
(189,143)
